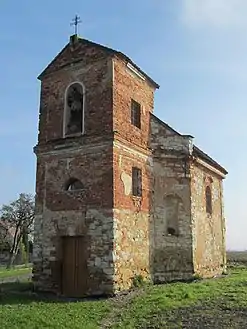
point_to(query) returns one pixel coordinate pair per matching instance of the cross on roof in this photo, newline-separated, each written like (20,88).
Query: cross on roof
(75,22)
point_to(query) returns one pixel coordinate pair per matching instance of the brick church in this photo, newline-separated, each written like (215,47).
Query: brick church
(119,193)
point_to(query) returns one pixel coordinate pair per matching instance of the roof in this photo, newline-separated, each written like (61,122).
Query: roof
(197,152)
(200,154)
(106,49)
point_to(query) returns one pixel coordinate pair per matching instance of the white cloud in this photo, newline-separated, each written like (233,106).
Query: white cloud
(215,13)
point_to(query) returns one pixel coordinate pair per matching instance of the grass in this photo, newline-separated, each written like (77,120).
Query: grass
(14,272)
(172,305)
(20,308)
(214,303)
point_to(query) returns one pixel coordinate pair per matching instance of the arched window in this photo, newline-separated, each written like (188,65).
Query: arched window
(208,195)
(74,110)
(73,184)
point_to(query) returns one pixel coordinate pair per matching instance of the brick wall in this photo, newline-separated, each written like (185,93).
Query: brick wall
(94,70)
(131,149)
(127,86)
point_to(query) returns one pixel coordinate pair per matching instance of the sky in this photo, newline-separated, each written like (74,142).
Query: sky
(195,49)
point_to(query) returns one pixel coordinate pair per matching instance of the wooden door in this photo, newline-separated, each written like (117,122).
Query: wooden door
(74,266)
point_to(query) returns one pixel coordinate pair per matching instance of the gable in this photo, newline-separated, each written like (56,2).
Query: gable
(162,128)
(74,52)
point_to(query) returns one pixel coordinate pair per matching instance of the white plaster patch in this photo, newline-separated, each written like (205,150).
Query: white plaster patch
(97,262)
(68,163)
(127,181)
(71,231)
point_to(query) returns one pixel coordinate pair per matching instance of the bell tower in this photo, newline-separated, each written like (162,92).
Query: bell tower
(93,171)
(74,178)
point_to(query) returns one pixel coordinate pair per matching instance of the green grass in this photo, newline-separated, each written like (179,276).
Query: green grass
(214,303)
(21,313)
(14,272)
(22,309)
(158,306)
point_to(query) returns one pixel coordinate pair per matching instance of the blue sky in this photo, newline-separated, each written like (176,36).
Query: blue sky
(195,49)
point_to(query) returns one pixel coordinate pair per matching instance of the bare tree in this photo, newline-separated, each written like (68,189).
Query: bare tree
(18,216)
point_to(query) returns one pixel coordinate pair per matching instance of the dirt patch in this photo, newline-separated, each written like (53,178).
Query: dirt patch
(205,317)
(118,303)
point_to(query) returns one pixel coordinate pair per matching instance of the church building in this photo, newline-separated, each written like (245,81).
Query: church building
(119,193)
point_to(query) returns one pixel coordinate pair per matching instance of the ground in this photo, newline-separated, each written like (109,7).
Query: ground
(12,273)
(213,303)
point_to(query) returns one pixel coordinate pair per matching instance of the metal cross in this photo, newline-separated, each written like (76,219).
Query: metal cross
(75,22)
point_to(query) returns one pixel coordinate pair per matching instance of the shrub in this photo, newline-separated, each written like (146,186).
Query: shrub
(197,277)
(138,281)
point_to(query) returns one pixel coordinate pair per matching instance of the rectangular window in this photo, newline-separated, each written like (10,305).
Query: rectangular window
(136,114)
(136,181)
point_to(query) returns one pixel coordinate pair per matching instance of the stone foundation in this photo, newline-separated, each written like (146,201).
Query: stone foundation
(131,247)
